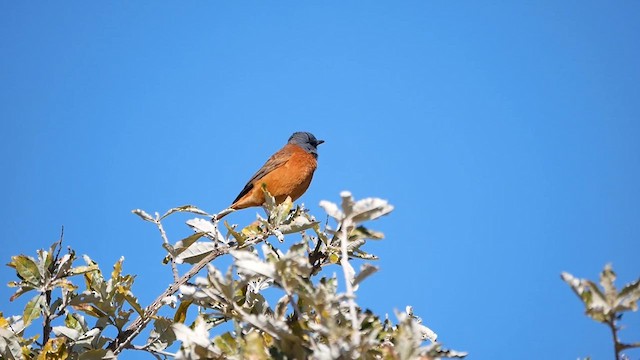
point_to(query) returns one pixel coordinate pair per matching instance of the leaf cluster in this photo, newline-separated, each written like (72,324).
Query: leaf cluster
(276,304)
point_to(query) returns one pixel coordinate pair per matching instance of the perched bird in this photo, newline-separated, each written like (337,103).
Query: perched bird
(288,172)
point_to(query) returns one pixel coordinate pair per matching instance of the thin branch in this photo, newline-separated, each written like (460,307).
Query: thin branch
(154,352)
(125,338)
(47,316)
(614,332)
(344,261)
(167,246)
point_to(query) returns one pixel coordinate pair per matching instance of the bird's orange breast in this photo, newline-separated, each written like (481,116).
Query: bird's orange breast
(292,178)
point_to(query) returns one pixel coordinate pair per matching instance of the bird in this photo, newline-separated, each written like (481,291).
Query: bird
(287,173)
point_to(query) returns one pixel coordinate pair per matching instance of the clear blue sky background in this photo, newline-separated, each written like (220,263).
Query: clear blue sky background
(507,136)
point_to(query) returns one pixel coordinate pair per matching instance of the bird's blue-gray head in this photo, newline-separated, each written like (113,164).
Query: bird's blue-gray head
(306,141)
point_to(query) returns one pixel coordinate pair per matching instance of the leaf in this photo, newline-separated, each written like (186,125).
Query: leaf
(227,343)
(366,270)
(133,301)
(299,223)
(240,238)
(97,354)
(76,321)
(181,312)
(361,232)
(628,297)
(370,209)
(204,226)
(185,208)
(607,277)
(83,269)
(54,349)
(64,265)
(196,252)
(332,210)
(143,215)
(26,268)
(184,244)
(281,211)
(162,335)
(72,334)
(117,269)
(9,345)
(20,291)
(251,263)
(595,303)
(33,309)
(254,348)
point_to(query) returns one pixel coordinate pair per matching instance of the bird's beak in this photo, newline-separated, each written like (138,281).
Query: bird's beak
(320,142)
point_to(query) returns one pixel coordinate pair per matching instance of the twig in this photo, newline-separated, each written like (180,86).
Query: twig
(344,261)
(167,246)
(125,338)
(153,352)
(47,316)
(614,332)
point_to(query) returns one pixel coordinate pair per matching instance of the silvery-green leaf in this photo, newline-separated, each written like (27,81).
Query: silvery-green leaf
(332,210)
(594,300)
(34,308)
(347,203)
(196,252)
(366,270)
(143,215)
(97,354)
(370,209)
(628,297)
(161,336)
(238,236)
(10,348)
(299,223)
(198,335)
(248,261)
(185,243)
(64,265)
(428,334)
(361,232)
(204,226)
(185,208)
(26,268)
(607,277)
(269,201)
(67,332)
(435,351)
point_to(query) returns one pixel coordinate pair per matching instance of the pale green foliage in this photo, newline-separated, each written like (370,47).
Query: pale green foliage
(607,305)
(279,303)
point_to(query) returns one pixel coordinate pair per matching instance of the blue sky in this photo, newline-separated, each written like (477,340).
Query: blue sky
(505,134)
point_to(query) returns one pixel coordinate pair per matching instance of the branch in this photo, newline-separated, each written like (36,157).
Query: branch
(46,328)
(165,240)
(125,338)
(344,238)
(614,332)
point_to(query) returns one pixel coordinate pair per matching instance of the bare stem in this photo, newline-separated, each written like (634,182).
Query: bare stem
(165,240)
(125,338)
(48,316)
(46,329)
(349,286)
(614,332)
